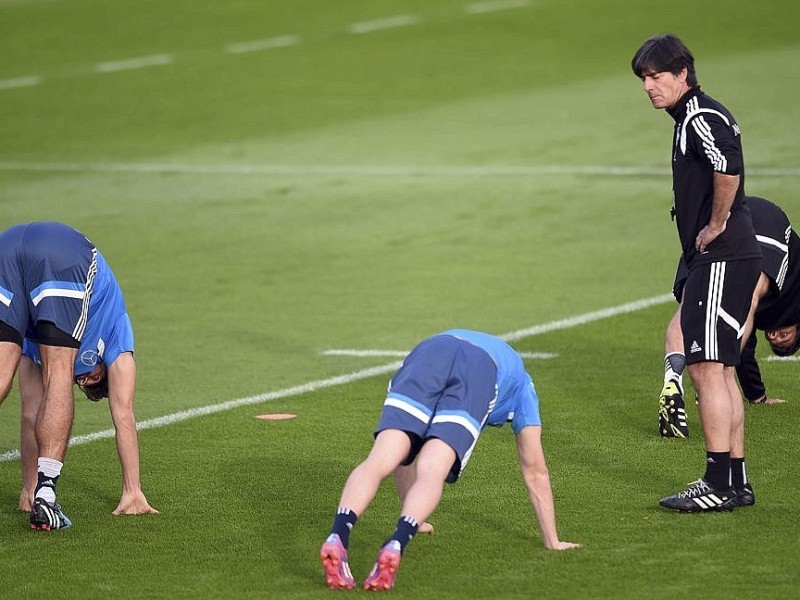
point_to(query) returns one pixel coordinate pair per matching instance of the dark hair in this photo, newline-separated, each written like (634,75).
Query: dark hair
(787,350)
(96,391)
(664,52)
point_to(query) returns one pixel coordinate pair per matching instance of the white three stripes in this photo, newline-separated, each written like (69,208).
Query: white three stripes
(716,284)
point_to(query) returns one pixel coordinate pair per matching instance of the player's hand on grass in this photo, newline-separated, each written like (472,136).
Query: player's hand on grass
(425,528)
(564,546)
(134,503)
(767,400)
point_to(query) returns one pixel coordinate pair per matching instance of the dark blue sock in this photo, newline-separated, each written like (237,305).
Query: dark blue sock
(405,532)
(343,524)
(45,482)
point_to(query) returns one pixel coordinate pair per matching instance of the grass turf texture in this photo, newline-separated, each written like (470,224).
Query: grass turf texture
(235,283)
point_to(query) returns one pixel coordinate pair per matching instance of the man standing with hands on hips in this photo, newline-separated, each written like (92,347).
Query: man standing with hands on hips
(721,253)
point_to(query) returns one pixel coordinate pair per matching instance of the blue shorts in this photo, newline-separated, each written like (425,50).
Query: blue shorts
(46,275)
(445,389)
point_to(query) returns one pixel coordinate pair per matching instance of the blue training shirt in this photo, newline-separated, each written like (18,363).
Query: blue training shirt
(517,401)
(109,331)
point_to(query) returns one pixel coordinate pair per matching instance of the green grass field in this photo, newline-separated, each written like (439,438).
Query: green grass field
(491,166)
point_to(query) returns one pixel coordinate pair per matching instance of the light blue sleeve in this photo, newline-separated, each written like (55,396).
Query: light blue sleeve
(121,340)
(527,411)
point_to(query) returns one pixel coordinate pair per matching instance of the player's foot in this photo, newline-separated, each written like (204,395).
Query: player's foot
(46,516)
(337,567)
(701,497)
(385,569)
(672,411)
(745,495)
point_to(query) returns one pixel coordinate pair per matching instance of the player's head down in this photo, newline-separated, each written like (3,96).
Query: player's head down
(664,53)
(784,341)
(94,383)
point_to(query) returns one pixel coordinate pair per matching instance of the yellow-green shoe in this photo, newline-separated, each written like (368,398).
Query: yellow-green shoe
(672,411)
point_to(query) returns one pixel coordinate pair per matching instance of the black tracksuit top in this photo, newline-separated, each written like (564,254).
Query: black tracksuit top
(707,140)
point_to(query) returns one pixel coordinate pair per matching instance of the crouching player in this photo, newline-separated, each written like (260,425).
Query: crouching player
(450,387)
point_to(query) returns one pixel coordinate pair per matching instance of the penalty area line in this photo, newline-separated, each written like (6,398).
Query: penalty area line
(312,386)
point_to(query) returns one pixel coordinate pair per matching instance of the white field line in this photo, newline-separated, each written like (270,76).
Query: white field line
(387,23)
(19,82)
(7,3)
(364,353)
(265,44)
(486,7)
(363,170)
(229,405)
(538,355)
(403,353)
(587,318)
(134,63)
(326,170)
(350,377)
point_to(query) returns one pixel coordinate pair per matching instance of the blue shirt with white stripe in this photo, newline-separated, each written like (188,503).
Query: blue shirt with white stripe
(517,401)
(109,331)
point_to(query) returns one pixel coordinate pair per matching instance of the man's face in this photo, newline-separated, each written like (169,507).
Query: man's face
(92,377)
(782,338)
(664,88)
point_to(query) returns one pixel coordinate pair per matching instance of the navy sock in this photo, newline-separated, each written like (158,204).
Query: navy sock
(405,532)
(738,473)
(718,469)
(343,524)
(46,487)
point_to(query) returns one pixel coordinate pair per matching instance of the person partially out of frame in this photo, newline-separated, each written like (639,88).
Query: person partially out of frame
(776,304)
(60,301)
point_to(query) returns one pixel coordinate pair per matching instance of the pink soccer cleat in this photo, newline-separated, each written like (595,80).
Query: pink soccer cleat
(385,569)
(333,555)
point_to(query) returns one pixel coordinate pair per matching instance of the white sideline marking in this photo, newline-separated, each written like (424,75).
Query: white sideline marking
(134,63)
(364,353)
(587,318)
(266,44)
(325,170)
(378,24)
(7,3)
(229,405)
(351,377)
(363,170)
(538,355)
(403,353)
(485,7)
(18,82)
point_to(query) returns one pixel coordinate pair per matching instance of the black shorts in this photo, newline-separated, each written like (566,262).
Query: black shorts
(716,302)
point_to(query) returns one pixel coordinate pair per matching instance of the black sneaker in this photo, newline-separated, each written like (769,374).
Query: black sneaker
(46,516)
(701,497)
(745,495)
(672,411)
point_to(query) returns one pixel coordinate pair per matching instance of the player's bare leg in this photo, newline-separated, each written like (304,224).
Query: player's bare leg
(433,464)
(53,426)
(391,447)
(9,359)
